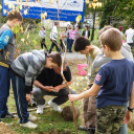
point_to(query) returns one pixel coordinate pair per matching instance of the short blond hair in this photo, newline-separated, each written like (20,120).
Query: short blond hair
(111,38)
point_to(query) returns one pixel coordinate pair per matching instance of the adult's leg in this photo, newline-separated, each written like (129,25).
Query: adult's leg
(90,111)
(72,41)
(68,44)
(62,95)
(20,98)
(4,89)
(38,95)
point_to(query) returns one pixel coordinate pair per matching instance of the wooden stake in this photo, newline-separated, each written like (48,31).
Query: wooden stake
(74,115)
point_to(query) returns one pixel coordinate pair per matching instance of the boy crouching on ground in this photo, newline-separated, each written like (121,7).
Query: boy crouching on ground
(113,84)
(25,69)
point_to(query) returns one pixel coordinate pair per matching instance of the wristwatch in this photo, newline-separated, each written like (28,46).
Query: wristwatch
(130,109)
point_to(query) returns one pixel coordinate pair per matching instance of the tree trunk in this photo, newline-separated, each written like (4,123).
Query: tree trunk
(94,14)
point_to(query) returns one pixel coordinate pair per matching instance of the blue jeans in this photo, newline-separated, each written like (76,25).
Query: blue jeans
(4,89)
(124,127)
(70,45)
(20,98)
(67,43)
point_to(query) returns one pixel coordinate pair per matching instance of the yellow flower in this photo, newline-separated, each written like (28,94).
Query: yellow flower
(23,40)
(25,12)
(85,89)
(78,18)
(5,11)
(0,7)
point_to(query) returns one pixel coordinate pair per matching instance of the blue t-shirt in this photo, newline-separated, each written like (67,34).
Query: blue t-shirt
(116,81)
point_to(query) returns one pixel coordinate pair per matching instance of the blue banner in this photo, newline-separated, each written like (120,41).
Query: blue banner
(64,10)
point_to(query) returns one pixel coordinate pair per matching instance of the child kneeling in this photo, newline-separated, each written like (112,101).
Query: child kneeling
(114,86)
(24,71)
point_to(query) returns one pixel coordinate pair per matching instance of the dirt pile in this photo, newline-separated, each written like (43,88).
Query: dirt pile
(67,113)
(4,129)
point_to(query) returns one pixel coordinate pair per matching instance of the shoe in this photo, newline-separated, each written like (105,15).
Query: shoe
(8,115)
(91,131)
(40,109)
(29,125)
(32,118)
(33,103)
(83,128)
(55,106)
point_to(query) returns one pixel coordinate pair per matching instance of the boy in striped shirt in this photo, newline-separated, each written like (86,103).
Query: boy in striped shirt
(25,70)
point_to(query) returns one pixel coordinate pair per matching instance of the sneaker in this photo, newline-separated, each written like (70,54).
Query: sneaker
(82,128)
(8,115)
(91,131)
(32,118)
(29,125)
(40,109)
(55,106)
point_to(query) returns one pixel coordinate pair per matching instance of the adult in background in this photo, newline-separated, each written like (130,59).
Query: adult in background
(121,30)
(72,35)
(67,31)
(129,34)
(78,32)
(42,34)
(86,32)
(50,82)
(54,36)
(63,38)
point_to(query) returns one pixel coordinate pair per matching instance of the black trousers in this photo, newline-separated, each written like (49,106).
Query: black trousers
(52,45)
(43,44)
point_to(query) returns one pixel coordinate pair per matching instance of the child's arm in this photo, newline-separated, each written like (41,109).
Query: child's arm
(91,92)
(5,37)
(128,115)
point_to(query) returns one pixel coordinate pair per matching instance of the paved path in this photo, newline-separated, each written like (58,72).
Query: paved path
(75,55)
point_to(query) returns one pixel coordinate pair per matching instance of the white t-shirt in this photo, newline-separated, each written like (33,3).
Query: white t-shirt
(54,33)
(130,34)
(86,34)
(42,34)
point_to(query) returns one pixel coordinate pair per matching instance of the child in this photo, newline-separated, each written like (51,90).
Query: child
(113,84)
(25,69)
(83,46)
(43,34)
(101,59)
(7,46)
(54,37)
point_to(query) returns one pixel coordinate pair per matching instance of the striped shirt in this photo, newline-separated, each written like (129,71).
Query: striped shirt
(28,66)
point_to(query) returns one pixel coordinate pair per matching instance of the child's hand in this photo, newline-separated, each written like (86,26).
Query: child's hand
(28,98)
(128,117)
(73,97)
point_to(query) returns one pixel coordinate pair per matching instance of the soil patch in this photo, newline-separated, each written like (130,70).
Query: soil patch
(4,129)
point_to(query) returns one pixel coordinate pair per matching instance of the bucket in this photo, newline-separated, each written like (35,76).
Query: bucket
(81,69)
